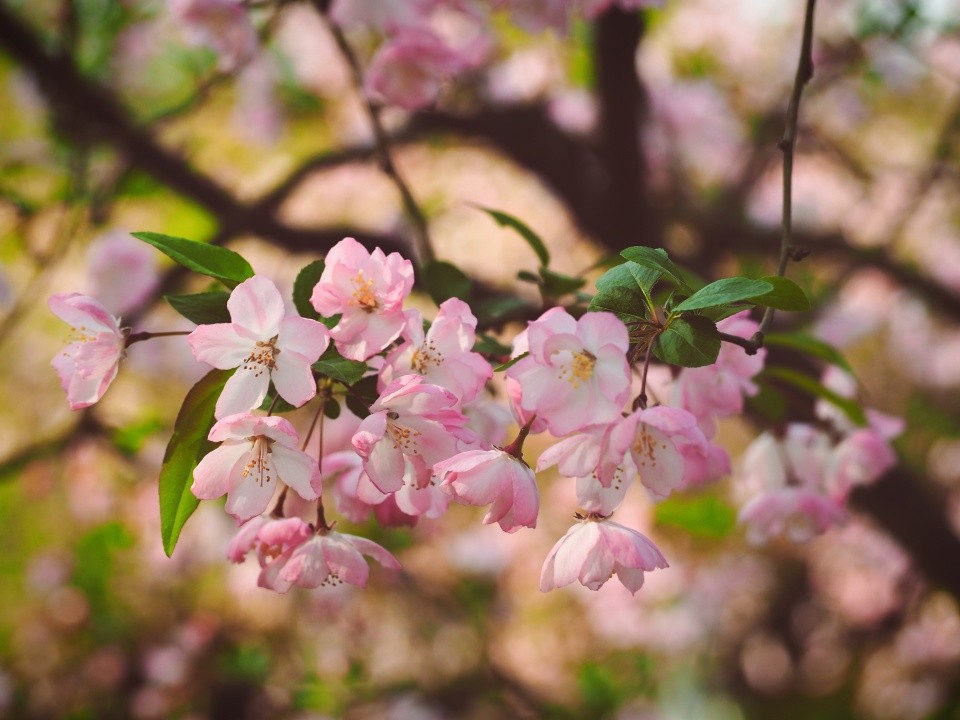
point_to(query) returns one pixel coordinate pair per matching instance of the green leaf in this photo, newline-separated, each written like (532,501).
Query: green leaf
(331,408)
(336,367)
(655,259)
(206,308)
(785,295)
(444,281)
(187,446)
(217,262)
(303,286)
(556,284)
(533,240)
(619,292)
(500,308)
(511,362)
(130,439)
(489,345)
(724,292)
(688,341)
(809,345)
(527,276)
(704,516)
(812,386)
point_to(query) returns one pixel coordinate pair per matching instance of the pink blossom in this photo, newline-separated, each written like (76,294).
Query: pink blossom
(701,468)
(482,477)
(367,290)
(444,355)
(274,542)
(593,550)
(331,559)
(346,467)
(845,385)
(577,372)
(410,421)
(256,455)
(593,497)
(221,25)
(799,513)
(387,16)
(717,390)
(122,271)
(410,68)
(88,365)
(263,345)
(489,420)
(859,459)
(653,444)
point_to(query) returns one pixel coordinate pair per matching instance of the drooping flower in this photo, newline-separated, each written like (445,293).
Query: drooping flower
(367,290)
(88,365)
(593,550)
(798,513)
(577,372)
(412,421)
(485,477)
(264,345)
(331,559)
(256,455)
(274,542)
(444,354)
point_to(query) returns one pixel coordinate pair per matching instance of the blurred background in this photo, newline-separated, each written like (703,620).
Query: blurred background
(658,128)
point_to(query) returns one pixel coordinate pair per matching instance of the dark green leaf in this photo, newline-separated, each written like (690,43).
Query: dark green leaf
(557,284)
(656,259)
(785,295)
(809,345)
(812,386)
(187,446)
(336,367)
(533,240)
(207,308)
(500,308)
(618,292)
(704,516)
(444,281)
(724,292)
(274,403)
(511,362)
(303,286)
(527,276)
(688,341)
(489,345)
(331,408)
(357,407)
(768,401)
(217,262)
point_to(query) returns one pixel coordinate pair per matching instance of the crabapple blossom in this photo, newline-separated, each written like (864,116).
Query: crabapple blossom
(593,497)
(264,345)
(88,365)
(274,542)
(410,68)
(256,455)
(443,355)
(653,443)
(331,558)
(221,25)
(576,373)
(717,390)
(596,548)
(482,477)
(367,290)
(798,513)
(410,421)
(858,459)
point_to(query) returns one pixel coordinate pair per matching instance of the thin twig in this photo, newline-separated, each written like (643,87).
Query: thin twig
(421,234)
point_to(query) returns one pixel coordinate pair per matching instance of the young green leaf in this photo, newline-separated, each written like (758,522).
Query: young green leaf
(205,308)
(511,362)
(187,446)
(336,367)
(619,292)
(688,341)
(217,262)
(809,345)
(303,286)
(533,240)
(724,292)
(445,281)
(656,259)
(785,295)
(556,284)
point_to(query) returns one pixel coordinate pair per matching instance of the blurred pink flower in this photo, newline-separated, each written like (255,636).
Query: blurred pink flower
(221,25)
(444,355)
(87,366)
(264,345)
(593,550)
(367,290)
(274,542)
(576,373)
(122,271)
(256,455)
(333,558)
(387,16)
(482,477)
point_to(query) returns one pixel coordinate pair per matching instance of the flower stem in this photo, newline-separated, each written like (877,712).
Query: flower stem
(516,447)
(141,336)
